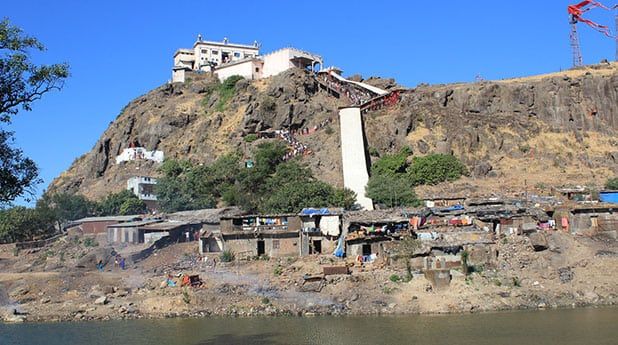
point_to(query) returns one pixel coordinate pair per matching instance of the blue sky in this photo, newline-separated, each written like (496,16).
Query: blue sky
(119,50)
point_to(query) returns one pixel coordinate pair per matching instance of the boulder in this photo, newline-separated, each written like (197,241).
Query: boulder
(538,241)
(101,300)
(482,169)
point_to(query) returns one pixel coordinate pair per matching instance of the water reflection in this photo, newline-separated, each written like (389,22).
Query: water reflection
(255,339)
(560,327)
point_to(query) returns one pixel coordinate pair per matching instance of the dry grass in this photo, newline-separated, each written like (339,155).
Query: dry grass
(609,69)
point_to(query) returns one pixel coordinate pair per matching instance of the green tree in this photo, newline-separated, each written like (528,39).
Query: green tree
(295,195)
(435,168)
(292,187)
(253,183)
(23,224)
(64,207)
(392,190)
(612,183)
(116,203)
(345,198)
(187,186)
(21,83)
(18,174)
(271,185)
(132,206)
(391,164)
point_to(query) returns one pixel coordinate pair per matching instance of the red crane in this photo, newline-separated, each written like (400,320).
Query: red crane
(575,15)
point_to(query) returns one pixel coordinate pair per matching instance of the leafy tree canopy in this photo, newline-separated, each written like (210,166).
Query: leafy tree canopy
(271,185)
(18,174)
(64,207)
(391,164)
(21,83)
(123,203)
(392,190)
(23,224)
(435,168)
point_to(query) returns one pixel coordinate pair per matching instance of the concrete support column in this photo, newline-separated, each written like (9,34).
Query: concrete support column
(354,161)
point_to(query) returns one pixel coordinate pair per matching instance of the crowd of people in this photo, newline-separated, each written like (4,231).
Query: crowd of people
(311,130)
(378,103)
(352,92)
(296,147)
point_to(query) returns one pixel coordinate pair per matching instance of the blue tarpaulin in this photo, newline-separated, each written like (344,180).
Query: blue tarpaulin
(339,250)
(453,208)
(314,211)
(609,196)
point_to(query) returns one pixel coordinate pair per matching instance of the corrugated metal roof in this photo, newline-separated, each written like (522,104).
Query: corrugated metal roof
(108,219)
(212,215)
(135,224)
(164,226)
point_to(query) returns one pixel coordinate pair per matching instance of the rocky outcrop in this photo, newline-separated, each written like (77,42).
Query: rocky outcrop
(565,122)
(192,121)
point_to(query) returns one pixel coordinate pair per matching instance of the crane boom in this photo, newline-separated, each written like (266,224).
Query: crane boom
(576,11)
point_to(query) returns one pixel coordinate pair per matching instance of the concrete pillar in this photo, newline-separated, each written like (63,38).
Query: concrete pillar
(355,174)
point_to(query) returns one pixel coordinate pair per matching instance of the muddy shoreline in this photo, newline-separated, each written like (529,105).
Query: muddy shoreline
(578,273)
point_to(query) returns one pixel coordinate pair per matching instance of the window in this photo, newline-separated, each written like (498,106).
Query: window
(275,244)
(204,51)
(214,52)
(236,54)
(257,69)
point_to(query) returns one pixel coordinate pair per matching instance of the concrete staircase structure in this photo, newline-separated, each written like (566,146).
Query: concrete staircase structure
(355,173)
(362,97)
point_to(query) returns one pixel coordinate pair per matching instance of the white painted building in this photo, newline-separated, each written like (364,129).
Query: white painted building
(139,153)
(143,187)
(286,58)
(205,54)
(226,59)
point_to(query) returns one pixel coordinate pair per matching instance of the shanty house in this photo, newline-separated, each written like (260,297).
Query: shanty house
(372,237)
(321,229)
(590,219)
(128,232)
(208,221)
(256,235)
(98,225)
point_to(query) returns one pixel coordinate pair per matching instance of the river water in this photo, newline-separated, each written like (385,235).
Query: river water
(561,327)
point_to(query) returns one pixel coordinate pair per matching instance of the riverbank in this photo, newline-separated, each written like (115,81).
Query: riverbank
(559,327)
(574,272)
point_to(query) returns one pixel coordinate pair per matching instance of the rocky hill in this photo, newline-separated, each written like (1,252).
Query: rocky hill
(531,132)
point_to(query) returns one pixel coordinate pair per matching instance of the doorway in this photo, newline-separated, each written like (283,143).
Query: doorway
(261,249)
(366,249)
(316,247)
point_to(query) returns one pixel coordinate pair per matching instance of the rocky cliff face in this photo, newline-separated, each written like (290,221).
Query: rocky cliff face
(545,129)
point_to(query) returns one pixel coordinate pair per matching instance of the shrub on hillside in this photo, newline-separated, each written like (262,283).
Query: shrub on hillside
(391,164)
(227,256)
(435,168)
(249,138)
(392,190)
(612,184)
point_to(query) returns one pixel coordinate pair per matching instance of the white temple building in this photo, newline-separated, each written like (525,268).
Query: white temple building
(226,59)
(139,153)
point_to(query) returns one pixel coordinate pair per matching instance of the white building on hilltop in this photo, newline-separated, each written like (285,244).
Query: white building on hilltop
(143,187)
(205,54)
(139,153)
(226,59)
